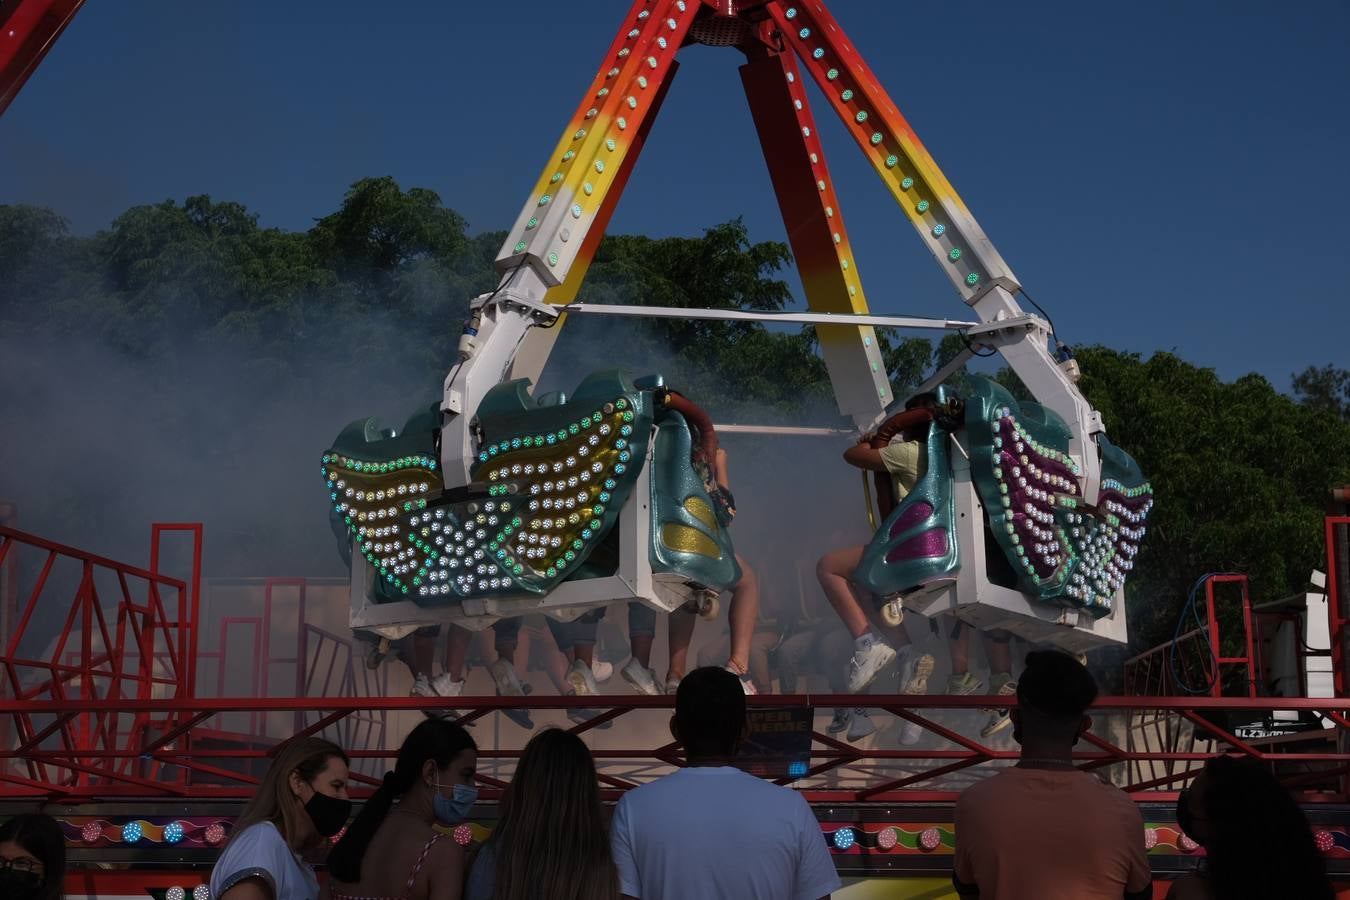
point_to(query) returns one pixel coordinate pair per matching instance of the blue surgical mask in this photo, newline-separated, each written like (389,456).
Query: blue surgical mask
(454,809)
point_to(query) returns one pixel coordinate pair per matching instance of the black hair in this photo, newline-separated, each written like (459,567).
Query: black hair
(927,398)
(1056,686)
(39,835)
(1251,817)
(710,712)
(435,739)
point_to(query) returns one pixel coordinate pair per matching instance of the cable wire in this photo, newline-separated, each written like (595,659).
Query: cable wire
(1174,652)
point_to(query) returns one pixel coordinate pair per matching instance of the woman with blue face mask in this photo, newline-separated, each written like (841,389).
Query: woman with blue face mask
(393,850)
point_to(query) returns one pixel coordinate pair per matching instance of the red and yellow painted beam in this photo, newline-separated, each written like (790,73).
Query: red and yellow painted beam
(890,144)
(816,232)
(585,167)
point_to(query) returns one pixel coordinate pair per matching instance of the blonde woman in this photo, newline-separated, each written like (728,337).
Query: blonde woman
(302,800)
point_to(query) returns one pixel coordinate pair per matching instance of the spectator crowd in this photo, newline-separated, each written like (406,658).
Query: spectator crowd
(1042,828)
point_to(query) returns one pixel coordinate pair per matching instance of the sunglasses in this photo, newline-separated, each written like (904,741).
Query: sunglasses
(22,865)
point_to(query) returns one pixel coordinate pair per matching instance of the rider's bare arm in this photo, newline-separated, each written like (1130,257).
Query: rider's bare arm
(720,469)
(864,457)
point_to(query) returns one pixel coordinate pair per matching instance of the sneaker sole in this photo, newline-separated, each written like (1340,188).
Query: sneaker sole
(973,688)
(577,682)
(640,688)
(859,687)
(918,681)
(505,685)
(858,736)
(994,728)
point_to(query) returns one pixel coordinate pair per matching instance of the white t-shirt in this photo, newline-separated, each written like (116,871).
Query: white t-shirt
(716,833)
(259,851)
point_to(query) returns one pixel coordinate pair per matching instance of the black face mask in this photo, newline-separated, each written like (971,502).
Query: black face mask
(16,885)
(327,813)
(1184,820)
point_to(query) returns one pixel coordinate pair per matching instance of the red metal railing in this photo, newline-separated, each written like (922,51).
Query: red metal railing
(1334,603)
(839,772)
(124,635)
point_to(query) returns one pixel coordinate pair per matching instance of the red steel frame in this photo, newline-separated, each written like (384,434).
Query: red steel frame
(1249,660)
(73,746)
(28,28)
(102,771)
(1150,673)
(1334,605)
(130,652)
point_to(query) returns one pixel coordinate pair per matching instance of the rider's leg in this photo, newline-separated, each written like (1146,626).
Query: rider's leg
(641,633)
(641,630)
(761,642)
(743,615)
(833,571)
(424,652)
(457,651)
(998,647)
(681,624)
(577,640)
(870,652)
(961,681)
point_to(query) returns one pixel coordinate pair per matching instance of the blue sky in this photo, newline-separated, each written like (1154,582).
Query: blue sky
(1159,175)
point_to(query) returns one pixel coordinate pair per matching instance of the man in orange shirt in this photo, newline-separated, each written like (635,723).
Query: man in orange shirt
(1044,829)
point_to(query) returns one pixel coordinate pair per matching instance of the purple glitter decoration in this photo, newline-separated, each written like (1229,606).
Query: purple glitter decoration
(931,543)
(913,516)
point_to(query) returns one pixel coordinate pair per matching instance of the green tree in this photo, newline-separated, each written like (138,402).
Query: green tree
(1325,388)
(380,227)
(1239,471)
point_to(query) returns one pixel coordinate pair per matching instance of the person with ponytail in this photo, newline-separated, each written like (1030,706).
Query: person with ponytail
(551,840)
(300,801)
(393,851)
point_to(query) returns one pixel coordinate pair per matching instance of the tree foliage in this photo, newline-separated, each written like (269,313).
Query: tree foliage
(1240,472)
(1325,388)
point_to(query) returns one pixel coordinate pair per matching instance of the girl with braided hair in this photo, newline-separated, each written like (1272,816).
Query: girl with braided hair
(392,851)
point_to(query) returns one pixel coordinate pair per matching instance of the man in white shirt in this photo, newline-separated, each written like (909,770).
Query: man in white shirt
(710,831)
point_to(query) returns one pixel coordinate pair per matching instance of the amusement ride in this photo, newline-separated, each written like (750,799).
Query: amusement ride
(499,502)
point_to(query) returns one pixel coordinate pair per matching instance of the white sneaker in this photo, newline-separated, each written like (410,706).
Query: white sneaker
(445,685)
(672,685)
(640,677)
(582,679)
(505,678)
(422,687)
(860,725)
(604,671)
(442,685)
(840,721)
(867,664)
(915,670)
(999,718)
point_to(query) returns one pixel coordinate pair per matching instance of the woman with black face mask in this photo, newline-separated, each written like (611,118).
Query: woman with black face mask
(32,858)
(1258,844)
(397,849)
(301,801)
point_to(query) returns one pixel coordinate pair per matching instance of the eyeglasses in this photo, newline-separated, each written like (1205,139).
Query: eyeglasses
(22,865)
